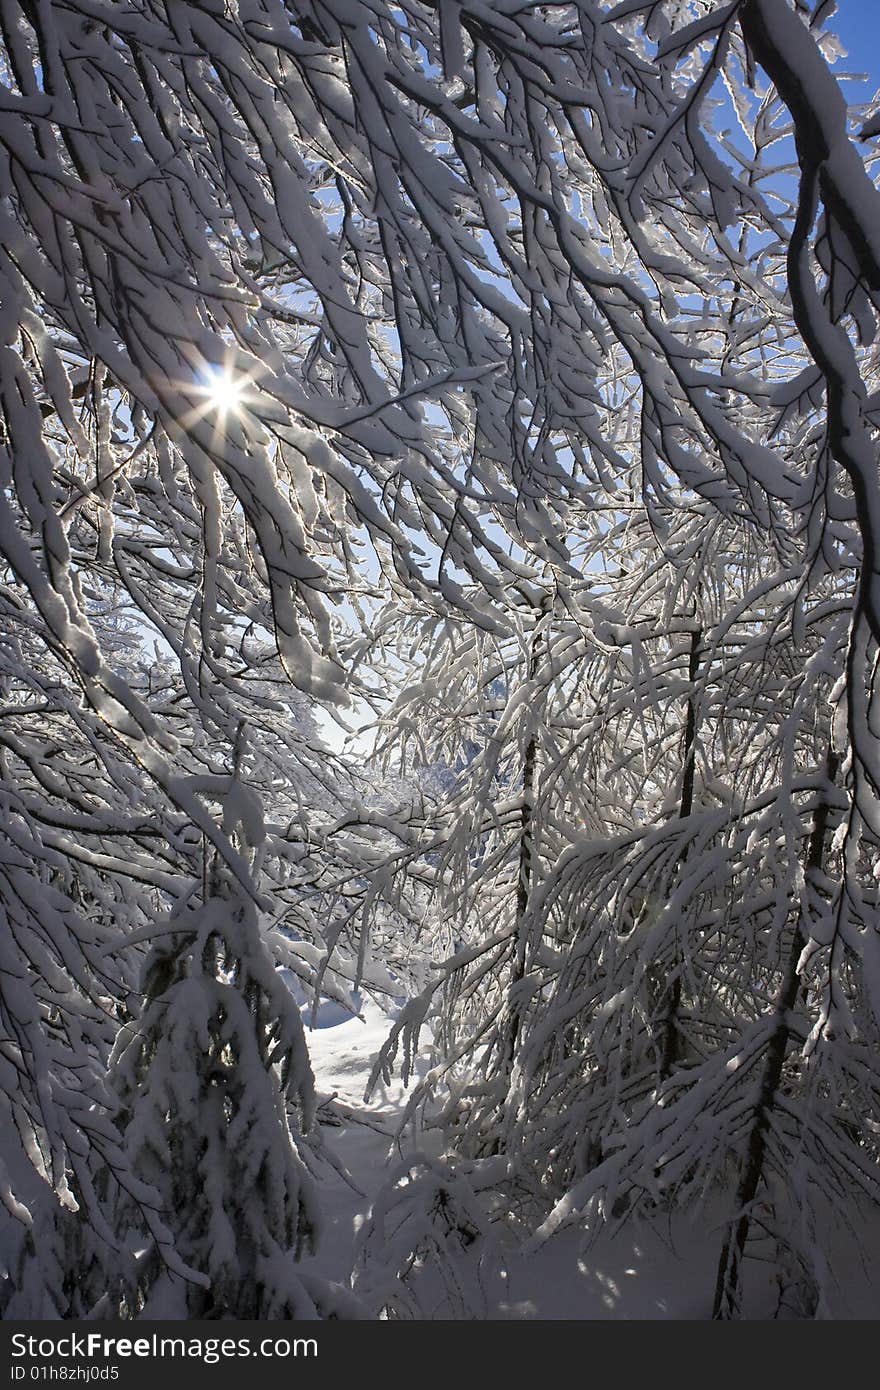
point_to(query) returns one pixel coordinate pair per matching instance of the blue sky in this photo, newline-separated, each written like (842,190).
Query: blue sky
(858,24)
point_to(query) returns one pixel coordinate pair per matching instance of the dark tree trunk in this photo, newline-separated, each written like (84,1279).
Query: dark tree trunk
(671,1001)
(526,865)
(729,1280)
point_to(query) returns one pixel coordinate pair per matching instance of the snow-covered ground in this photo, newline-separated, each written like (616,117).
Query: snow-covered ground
(342,1051)
(663,1271)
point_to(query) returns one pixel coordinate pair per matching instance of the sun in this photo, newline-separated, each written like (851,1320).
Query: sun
(224,392)
(221,393)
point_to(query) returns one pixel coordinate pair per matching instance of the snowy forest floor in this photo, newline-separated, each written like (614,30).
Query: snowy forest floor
(657,1272)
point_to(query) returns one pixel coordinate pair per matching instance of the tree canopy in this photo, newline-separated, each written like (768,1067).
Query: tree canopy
(502,377)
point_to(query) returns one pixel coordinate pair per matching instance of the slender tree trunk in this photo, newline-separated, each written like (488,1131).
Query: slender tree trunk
(671,1001)
(729,1280)
(526,865)
(523,891)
